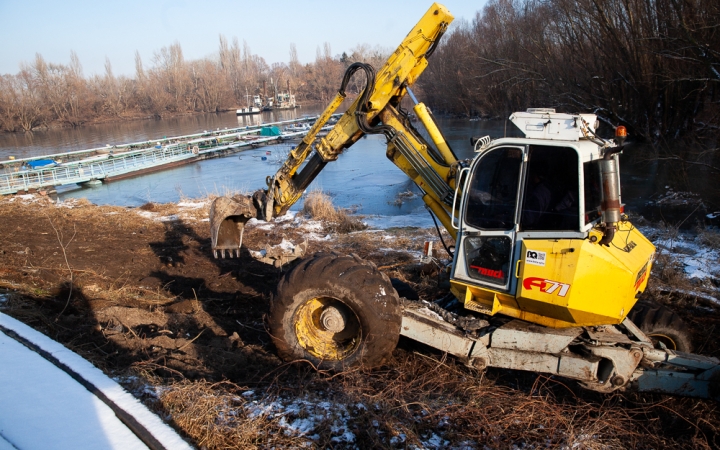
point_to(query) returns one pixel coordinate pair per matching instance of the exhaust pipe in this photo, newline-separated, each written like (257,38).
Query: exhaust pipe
(611,197)
(611,188)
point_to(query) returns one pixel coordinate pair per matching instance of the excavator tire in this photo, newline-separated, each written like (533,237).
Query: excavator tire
(661,325)
(336,312)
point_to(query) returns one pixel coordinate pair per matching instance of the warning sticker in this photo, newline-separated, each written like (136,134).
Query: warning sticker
(535,258)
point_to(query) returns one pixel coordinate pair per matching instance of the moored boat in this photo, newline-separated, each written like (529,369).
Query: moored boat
(285,100)
(248,111)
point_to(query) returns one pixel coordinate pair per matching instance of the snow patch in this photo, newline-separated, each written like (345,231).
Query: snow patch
(435,441)
(698,261)
(398,439)
(316,237)
(701,295)
(301,416)
(36,393)
(288,216)
(153,216)
(312,226)
(286,245)
(192,205)
(427,312)
(69,203)
(259,224)
(146,214)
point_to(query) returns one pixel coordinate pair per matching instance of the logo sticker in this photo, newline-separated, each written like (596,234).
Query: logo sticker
(546,286)
(535,258)
(489,272)
(641,276)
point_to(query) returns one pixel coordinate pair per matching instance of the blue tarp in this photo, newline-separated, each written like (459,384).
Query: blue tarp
(270,131)
(41,163)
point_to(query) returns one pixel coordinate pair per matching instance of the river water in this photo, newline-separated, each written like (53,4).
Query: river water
(362,179)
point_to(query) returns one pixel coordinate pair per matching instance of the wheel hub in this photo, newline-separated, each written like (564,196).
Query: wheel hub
(333,319)
(327,328)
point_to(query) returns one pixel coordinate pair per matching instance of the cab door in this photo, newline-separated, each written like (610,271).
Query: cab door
(488,218)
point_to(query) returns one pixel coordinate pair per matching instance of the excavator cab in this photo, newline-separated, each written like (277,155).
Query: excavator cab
(528,230)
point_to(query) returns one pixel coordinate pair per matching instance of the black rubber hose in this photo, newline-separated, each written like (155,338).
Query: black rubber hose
(364,105)
(447,249)
(435,43)
(350,71)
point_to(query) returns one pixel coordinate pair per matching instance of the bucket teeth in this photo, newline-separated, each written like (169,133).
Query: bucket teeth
(232,253)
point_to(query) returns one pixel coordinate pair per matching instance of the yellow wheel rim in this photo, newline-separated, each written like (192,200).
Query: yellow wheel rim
(666,340)
(327,328)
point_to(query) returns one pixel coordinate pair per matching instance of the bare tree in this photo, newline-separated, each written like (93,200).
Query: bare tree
(25,108)
(171,72)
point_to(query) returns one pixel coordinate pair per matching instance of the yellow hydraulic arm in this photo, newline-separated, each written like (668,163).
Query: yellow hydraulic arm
(376,110)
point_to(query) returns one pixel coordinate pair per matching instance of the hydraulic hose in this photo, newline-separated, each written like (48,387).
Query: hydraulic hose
(364,104)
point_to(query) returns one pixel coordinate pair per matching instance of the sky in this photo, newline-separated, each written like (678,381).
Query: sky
(111,29)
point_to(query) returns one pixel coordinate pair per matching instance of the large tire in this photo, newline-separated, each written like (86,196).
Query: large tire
(336,312)
(661,325)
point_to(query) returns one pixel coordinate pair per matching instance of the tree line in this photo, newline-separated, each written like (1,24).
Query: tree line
(43,93)
(651,65)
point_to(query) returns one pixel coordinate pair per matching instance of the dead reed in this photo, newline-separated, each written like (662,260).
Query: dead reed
(319,206)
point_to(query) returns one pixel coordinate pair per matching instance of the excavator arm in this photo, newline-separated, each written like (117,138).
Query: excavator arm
(376,110)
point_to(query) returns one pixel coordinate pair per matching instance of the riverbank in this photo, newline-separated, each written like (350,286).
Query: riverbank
(136,292)
(130,116)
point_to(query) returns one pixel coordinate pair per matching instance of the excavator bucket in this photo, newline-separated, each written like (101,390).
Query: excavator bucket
(228,216)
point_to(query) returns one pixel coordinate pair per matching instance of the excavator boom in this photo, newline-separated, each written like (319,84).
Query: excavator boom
(378,103)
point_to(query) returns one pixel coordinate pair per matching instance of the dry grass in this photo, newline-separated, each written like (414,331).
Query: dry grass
(420,399)
(319,206)
(214,417)
(709,237)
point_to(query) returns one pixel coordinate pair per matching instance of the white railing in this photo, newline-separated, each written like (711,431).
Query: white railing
(98,165)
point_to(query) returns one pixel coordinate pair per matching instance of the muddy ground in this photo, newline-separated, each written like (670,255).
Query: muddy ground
(137,292)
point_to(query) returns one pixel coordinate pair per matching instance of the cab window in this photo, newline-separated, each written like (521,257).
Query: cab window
(593,190)
(492,192)
(488,258)
(551,191)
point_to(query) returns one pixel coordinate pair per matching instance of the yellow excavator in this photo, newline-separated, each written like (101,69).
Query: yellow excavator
(546,266)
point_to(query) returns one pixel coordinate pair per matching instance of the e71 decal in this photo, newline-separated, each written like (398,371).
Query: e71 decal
(546,286)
